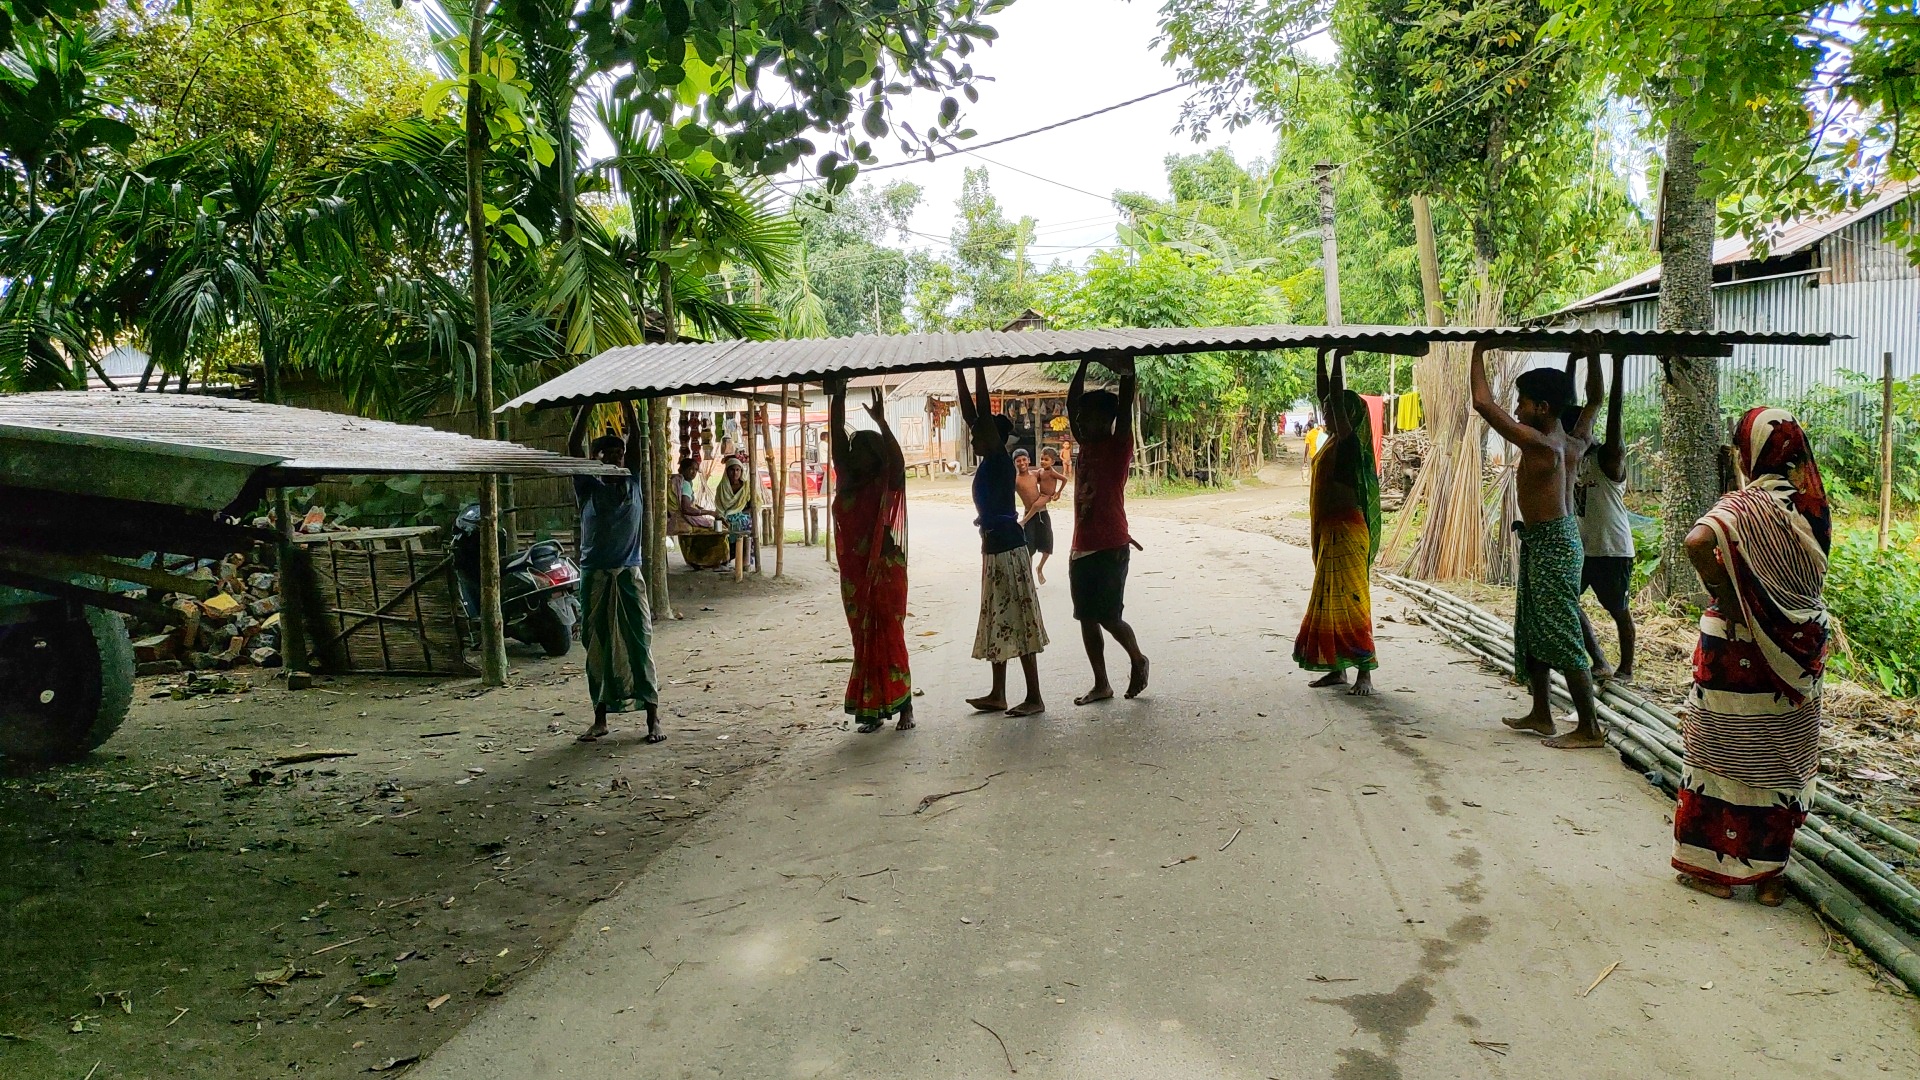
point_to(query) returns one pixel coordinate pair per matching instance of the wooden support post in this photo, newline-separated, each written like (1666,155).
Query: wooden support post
(1329,247)
(1886,448)
(762,424)
(1429,259)
(806,494)
(826,492)
(293,601)
(780,494)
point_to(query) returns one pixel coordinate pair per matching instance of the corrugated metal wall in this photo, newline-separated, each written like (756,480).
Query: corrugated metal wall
(1866,288)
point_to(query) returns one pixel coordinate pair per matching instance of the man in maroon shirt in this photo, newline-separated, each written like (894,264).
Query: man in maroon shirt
(1097,572)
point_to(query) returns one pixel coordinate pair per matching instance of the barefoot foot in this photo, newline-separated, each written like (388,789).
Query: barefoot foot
(905,723)
(1362,685)
(1539,725)
(1575,740)
(1029,707)
(1703,885)
(1101,692)
(989,703)
(1601,675)
(1137,679)
(868,725)
(594,733)
(1771,892)
(1331,678)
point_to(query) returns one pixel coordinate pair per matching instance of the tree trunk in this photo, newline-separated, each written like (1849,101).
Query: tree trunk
(1690,434)
(660,461)
(493,636)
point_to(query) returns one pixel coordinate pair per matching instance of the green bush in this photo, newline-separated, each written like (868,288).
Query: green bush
(1848,447)
(1875,597)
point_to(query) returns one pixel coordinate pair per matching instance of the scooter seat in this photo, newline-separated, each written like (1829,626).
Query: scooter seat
(517,561)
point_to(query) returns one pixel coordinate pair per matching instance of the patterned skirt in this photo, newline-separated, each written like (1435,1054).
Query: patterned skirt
(1010,625)
(1546,619)
(617,629)
(1337,632)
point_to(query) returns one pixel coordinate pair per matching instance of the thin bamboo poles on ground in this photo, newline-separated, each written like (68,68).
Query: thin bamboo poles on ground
(1832,873)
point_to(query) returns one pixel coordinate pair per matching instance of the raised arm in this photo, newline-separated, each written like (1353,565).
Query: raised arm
(1322,380)
(1074,389)
(967,416)
(577,438)
(1613,452)
(634,441)
(836,388)
(896,463)
(983,399)
(1596,392)
(1496,415)
(1339,424)
(1129,385)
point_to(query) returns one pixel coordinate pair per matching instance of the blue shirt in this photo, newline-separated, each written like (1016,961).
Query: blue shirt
(611,512)
(994,501)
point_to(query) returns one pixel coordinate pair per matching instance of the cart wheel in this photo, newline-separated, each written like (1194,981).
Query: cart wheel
(65,684)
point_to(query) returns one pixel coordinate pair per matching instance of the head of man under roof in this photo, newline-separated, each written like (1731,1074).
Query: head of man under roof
(610,450)
(990,434)
(1096,413)
(1544,393)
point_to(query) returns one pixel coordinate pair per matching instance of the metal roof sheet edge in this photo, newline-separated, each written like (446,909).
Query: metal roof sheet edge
(644,371)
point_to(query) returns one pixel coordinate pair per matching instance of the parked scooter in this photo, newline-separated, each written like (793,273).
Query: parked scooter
(539,587)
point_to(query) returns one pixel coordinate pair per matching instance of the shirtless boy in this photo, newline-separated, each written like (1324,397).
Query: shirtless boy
(1546,624)
(1038,488)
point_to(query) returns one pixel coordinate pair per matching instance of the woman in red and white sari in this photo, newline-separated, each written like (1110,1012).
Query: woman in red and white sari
(1752,721)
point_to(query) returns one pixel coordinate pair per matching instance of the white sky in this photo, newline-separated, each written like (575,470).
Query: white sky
(1057,59)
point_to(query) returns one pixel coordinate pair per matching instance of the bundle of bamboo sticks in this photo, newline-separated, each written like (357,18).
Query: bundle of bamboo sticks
(1875,905)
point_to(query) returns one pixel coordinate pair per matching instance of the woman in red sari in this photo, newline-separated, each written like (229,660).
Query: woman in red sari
(870,539)
(1752,723)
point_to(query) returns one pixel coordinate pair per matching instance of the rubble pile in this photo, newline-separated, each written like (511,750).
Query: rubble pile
(238,625)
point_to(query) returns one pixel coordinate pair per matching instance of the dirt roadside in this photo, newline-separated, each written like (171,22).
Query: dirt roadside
(184,905)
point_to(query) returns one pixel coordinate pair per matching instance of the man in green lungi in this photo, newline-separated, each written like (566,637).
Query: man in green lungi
(1546,622)
(616,626)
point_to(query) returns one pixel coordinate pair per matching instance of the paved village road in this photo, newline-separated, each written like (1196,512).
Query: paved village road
(1400,877)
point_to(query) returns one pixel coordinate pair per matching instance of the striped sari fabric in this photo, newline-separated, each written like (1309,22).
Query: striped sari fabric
(1752,721)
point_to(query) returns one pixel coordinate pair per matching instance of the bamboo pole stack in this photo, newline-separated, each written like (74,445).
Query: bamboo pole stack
(1877,907)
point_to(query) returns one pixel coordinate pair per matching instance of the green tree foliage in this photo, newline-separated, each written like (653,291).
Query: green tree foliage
(755,81)
(1798,107)
(322,74)
(1200,404)
(56,111)
(1467,102)
(986,280)
(860,281)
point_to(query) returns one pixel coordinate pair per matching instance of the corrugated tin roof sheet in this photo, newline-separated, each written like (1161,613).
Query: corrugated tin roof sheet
(1791,238)
(306,442)
(1001,379)
(654,370)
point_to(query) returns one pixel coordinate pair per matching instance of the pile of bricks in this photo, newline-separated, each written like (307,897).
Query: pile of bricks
(238,625)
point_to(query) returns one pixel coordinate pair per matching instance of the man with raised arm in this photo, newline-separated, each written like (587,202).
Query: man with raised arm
(1606,532)
(1344,526)
(1097,569)
(1010,623)
(615,626)
(1546,623)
